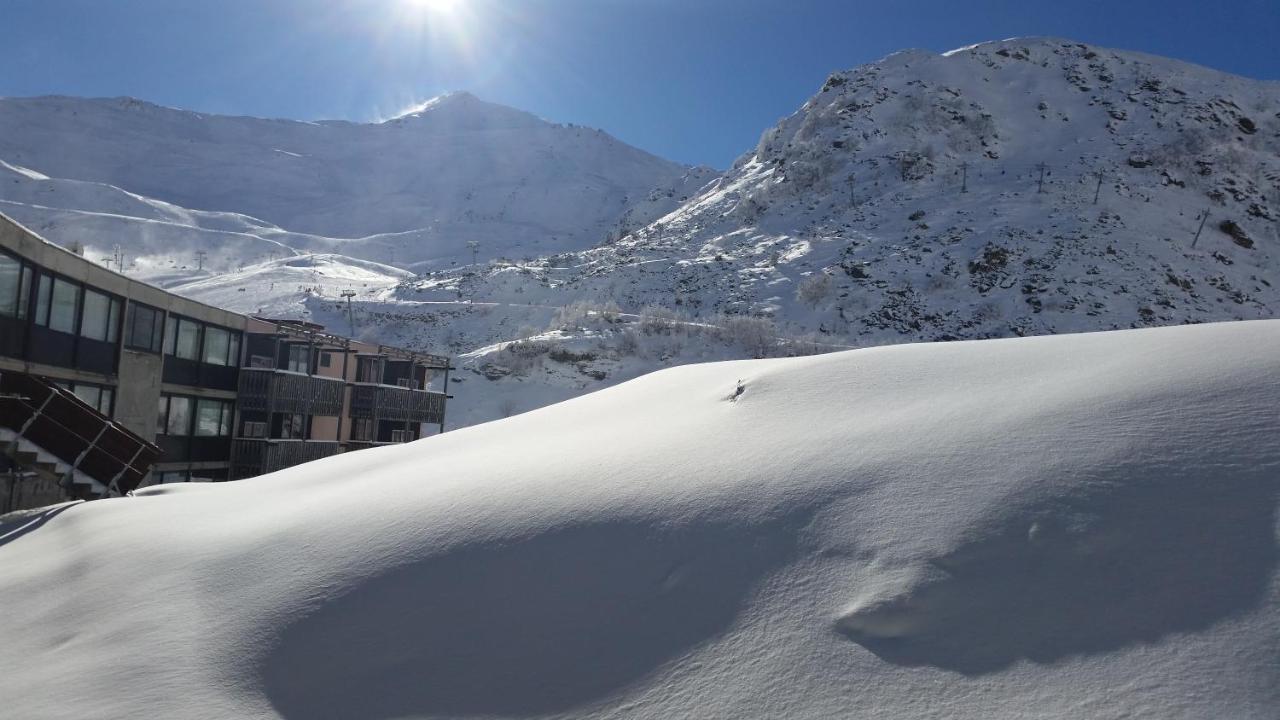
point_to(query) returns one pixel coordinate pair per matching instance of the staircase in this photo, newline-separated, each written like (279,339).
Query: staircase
(59,448)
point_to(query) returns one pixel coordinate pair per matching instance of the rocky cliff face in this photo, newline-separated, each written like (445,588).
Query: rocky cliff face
(1018,187)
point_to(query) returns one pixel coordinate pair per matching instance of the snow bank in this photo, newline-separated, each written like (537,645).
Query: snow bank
(1067,526)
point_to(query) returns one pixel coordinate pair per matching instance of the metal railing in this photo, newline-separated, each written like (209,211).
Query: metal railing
(386,402)
(64,426)
(254,456)
(272,390)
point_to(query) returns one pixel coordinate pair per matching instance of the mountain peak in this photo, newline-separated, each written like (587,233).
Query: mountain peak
(460,108)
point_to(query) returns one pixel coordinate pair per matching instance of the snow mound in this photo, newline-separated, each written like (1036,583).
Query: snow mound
(1066,526)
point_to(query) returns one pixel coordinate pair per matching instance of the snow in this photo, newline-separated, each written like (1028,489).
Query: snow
(281,288)
(1066,526)
(923,255)
(963,246)
(458,169)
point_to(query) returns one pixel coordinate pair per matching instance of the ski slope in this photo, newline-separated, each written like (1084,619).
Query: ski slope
(1073,526)
(164,183)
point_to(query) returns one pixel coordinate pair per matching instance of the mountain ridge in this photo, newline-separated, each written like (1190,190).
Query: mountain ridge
(1017,187)
(473,168)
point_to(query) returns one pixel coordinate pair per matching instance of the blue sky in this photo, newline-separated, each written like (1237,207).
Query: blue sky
(692,80)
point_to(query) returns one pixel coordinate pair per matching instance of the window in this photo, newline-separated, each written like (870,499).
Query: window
(174,477)
(255,429)
(144,327)
(90,394)
(24,292)
(62,309)
(57,304)
(182,338)
(362,429)
(187,345)
(179,416)
(98,397)
(217,343)
(170,334)
(399,436)
(293,427)
(213,418)
(43,292)
(369,370)
(11,273)
(326,359)
(299,358)
(101,316)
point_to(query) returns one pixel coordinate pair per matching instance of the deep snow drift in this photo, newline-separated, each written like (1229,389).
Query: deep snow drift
(1068,526)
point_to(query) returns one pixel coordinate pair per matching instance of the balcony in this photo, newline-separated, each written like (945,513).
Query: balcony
(250,457)
(279,391)
(388,402)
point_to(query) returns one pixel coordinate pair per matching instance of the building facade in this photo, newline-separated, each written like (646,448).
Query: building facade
(223,395)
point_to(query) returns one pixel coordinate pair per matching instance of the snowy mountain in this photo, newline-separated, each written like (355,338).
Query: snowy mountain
(415,190)
(1049,527)
(1022,187)
(1030,186)
(907,196)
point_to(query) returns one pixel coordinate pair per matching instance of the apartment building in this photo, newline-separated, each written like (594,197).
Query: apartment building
(221,394)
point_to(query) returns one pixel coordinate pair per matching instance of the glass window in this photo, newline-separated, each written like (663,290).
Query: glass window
(362,429)
(233,354)
(42,300)
(293,427)
(299,358)
(10,282)
(216,344)
(90,394)
(369,370)
(143,327)
(24,292)
(188,342)
(97,316)
(162,415)
(104,406)
(113,320)
(179,416)
(62,308)
(170,333)
(208,417)
(224,426)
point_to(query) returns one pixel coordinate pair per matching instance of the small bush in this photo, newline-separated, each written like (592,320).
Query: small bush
(814,290)
(756,335)
(565,355)
(629,343)
(658,320)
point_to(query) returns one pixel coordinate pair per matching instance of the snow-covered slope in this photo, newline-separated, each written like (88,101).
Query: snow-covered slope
(1076,526)
(415,189)
(904,202)
(906,196)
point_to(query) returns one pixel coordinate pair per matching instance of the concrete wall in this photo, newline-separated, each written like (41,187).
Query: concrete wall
(139,372)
